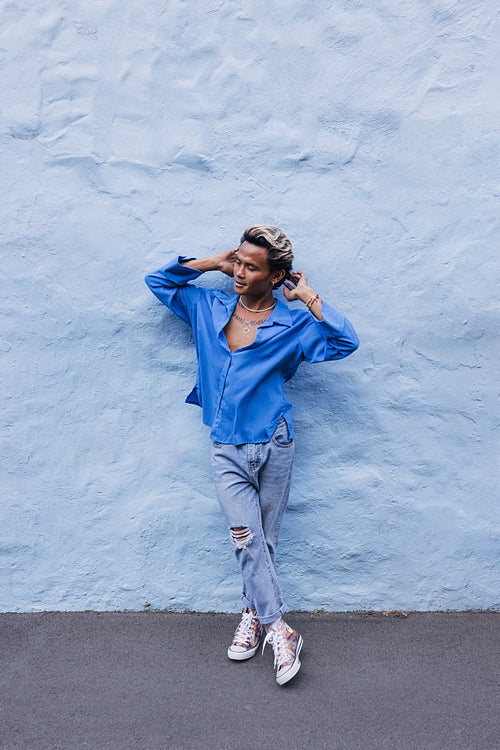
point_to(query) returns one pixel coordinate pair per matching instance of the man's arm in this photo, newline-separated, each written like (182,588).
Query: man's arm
(303,292)
(331,335)
(223,261)
(171,283)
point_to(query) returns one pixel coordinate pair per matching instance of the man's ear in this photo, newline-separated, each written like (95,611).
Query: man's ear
(278,276)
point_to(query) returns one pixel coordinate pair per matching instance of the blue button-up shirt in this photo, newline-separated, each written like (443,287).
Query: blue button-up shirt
(241,392)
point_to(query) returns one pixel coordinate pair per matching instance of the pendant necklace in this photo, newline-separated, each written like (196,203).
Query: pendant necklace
(246,323)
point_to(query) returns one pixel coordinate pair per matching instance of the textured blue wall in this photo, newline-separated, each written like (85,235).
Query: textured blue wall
(367,130)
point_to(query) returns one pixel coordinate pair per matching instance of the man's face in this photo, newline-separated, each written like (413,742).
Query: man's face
(252,276)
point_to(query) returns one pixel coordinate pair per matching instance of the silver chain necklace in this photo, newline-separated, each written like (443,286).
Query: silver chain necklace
(264,309)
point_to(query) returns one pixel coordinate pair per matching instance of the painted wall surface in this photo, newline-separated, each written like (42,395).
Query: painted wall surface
(368,131)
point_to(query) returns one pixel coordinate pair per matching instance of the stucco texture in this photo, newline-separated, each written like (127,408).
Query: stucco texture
(130,131)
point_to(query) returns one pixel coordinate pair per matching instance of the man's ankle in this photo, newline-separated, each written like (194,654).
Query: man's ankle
(275,625)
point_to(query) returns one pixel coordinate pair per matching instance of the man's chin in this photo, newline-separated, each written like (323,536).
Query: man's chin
(239,288)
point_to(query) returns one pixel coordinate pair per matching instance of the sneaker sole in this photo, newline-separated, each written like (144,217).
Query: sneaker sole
(284,678)
(242,655)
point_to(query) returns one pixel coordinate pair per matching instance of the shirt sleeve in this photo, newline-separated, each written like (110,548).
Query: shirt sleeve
(171,285)
(331,338)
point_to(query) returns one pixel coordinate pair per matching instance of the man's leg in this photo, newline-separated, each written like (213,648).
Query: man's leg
(274,481)
(258,477)
(274,487)
(236,479)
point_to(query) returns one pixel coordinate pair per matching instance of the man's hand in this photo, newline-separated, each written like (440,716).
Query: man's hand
(300,290)
(226,261)
(223,261)
(303,292)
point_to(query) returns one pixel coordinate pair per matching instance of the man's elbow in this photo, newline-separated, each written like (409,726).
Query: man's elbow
(151,281)
(354,344)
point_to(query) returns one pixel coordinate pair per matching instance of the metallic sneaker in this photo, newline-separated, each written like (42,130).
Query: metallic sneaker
(246,637)
(286,645)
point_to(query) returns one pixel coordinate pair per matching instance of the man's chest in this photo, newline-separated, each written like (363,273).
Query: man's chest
(239,332)
(277,344)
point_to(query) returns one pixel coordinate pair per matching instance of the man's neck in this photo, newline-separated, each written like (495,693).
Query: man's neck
(257,304)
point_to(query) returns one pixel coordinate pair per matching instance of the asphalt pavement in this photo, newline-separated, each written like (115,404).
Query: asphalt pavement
(162,681)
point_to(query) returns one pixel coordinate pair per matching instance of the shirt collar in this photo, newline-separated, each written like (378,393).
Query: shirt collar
(280,315)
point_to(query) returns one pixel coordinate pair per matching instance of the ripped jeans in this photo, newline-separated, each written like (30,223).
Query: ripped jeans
(252,482)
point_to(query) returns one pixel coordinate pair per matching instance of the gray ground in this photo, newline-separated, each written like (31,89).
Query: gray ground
(162,680)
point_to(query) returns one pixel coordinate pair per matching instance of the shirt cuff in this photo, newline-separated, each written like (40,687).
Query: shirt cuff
(176,271)
(332,318)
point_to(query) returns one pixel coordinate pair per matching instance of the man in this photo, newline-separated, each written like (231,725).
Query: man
(248,345)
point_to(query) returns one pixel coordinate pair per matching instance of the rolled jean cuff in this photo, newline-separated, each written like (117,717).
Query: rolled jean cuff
(271,618)
(248,603)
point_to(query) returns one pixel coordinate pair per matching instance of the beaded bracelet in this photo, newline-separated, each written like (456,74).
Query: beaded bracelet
(311,302)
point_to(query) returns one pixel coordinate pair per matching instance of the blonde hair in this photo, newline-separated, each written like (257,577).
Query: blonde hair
(277,244)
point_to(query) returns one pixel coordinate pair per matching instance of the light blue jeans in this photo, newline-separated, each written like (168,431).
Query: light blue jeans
(252,482)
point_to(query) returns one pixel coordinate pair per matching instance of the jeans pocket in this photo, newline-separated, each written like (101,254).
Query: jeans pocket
(281,436)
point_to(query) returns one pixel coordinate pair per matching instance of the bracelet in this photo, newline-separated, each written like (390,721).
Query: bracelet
(311,302)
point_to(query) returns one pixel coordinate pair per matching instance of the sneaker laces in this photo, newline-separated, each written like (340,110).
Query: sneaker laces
(244,631)
(279,643)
